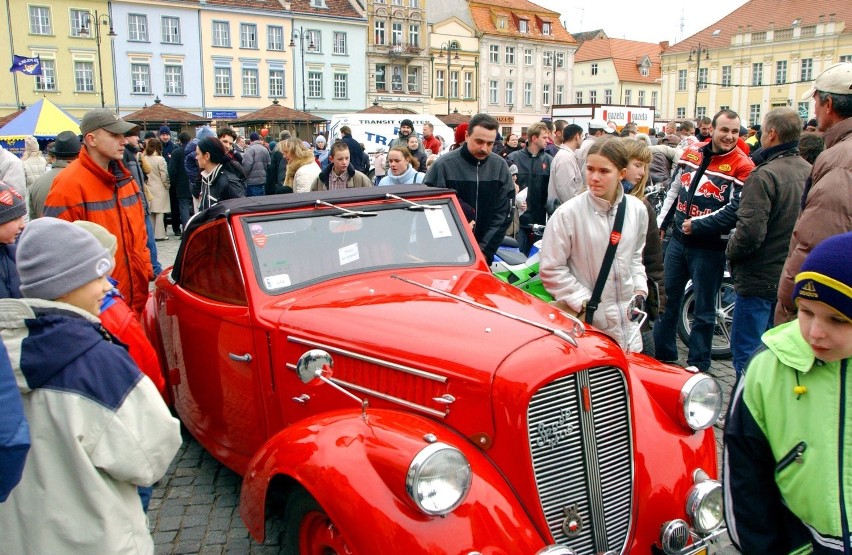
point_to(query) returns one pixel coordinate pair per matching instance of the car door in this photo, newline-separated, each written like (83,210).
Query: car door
(217,391)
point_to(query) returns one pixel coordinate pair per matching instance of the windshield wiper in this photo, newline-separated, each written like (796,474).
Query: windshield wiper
(347,213)
(413,205)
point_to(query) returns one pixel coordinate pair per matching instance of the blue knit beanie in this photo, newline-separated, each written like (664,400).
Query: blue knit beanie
(826,275)
(205,131)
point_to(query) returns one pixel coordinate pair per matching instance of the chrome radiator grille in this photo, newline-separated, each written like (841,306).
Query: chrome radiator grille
(582,455)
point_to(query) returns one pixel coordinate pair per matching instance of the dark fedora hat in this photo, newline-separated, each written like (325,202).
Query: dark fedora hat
(66,145)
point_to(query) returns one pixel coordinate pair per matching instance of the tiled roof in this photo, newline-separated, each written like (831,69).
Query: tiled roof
(6,119)
(275,112)
(455,119)
(483,14)
(625,55)
(270,5)
(159,114)
(760,14)
(589,35)
(376,109)
(340,8)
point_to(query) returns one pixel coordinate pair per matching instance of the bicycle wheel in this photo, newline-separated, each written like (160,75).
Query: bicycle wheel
(721,347)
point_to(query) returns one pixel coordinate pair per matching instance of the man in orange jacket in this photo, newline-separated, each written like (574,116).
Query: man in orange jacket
(98,188)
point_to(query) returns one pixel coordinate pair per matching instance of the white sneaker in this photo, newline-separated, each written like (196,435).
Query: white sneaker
(693,369)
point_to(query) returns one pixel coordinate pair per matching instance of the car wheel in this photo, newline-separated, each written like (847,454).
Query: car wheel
(721,347)
(308,530)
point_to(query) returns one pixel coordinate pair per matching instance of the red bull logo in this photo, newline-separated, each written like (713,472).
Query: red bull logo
(708,189)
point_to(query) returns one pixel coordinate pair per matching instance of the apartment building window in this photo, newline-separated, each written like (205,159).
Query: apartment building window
(493,92)
(510,55)
(754,114)
(140,76)
(494,54)
(414,4)
(594,69)
(726,76)
(547,58)
(413,79)
(527,94)
(807,69)
(644,71)
(40,20)
(560,94)
(275,38)
(641,98)
(339,43)
(439,83)
(593,97)
(381,79)
(724,107)
(396,33)
(545,28)
(545,94)
(560,59)
(248,35)
(523,26)
(137,27)
(314,37)
(510,93)
(396,78)
(528,56)
(681,79)
(780,72)
(174,79)
(314,84)
(250,82)
(171,29)
(701,111)
(654,99)
(628,96)
(47,80)
(803,108)
(341,86)
(607,96)
(756,74)
(381,38)
(468,84)
(276,83)
(79,23)
(681,112)
(84,77)
(703,77)
(221,33)
(845,58)
(222,81)
(454,84)
(578,97)
(414,34)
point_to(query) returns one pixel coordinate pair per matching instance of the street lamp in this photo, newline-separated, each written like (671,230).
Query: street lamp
(697,51)
(300,34)
(86,19)
(450,47)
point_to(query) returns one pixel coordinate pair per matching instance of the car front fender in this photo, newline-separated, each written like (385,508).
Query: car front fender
(355,468)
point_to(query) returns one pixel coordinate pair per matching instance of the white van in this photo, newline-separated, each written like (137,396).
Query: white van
(378,130)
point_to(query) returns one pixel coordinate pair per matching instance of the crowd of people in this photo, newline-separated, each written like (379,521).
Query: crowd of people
(84,416)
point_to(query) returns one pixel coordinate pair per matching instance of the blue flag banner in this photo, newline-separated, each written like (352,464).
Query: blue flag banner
(27,66)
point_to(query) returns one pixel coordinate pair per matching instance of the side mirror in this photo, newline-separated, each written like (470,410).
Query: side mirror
(311,364)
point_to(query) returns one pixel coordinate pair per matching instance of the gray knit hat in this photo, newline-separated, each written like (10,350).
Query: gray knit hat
(12,205)
(56,257)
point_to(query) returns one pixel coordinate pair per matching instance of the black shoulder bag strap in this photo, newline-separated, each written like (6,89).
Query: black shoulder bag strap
(614,239)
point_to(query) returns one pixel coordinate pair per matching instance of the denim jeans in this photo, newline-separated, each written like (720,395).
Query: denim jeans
(152,246)
(752,317)
(705,267)
(186,210)
(255,190)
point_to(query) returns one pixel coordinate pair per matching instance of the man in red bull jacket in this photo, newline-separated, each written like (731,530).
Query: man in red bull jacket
(711,176)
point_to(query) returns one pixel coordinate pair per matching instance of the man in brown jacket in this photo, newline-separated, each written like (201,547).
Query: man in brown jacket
(827,199)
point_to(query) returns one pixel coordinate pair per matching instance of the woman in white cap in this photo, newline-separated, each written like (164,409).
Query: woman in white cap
(320,151)
(35,165)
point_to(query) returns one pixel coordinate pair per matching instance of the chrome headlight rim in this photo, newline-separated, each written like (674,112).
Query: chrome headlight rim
(690,387)
(421,461)
(698,495)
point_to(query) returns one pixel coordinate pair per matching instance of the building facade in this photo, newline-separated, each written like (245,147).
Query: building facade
(617,71)
(454,52)
(763,55)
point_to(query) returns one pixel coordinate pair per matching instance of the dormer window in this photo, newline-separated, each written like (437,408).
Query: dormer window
(523,26)
(501,22)
(644,71)
(545,28)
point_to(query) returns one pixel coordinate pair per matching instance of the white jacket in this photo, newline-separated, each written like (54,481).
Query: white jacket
(304,178)
(99,429)
(572,252)
(566,181)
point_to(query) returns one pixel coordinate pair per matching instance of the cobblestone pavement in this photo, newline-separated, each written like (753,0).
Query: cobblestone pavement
(195,507)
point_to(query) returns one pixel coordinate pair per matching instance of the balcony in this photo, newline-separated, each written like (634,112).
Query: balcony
(404,50)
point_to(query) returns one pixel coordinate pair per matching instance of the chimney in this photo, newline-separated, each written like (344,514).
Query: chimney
(664,44)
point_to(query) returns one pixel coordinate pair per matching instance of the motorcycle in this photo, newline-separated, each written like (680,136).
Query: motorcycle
(518,269)
(725,298)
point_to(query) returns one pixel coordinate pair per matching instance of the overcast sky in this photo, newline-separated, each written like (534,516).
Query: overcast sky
(648,21)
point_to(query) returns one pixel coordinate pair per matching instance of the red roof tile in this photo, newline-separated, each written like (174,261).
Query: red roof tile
(484,15)
(159,114)
(342,8)
(275,112)
(625,55)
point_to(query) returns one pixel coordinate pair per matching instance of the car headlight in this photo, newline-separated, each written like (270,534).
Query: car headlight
(704,506)
(438,479)
(701,400)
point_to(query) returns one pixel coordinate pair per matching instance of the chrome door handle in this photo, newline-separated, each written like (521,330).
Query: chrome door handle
(240,358)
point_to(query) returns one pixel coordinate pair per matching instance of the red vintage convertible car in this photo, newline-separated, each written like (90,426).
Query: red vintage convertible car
(351,356)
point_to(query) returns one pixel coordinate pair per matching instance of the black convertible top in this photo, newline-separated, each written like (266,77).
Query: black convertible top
(271,203)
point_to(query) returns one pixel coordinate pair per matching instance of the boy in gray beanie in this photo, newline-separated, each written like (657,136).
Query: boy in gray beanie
(13,211)
(99,428)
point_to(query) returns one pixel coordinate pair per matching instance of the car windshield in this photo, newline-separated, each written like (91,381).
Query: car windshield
(293,249)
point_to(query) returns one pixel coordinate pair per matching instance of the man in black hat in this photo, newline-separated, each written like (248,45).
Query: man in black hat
(406,128)
(64,150)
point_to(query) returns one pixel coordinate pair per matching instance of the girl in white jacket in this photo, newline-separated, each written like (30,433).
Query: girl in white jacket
(575,243)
